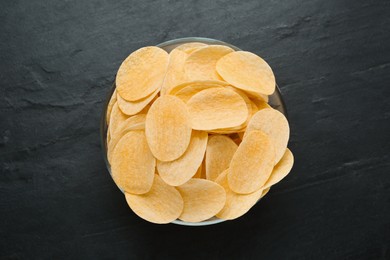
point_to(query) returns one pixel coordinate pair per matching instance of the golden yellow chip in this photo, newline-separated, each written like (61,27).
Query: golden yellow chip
(133,107)
(200,65)
(219,152)
(275,125)
(260,99)
(249,107)
(236,204)
(175,73)
(116,118)
(198,173)
(248,72)
(179,171)
(141,73)
(168,128)
(109,106)
(252,163)
(216,108)
(254,108)
(108,139)
(265,191)
(132,164)
(260,104)
(162,204)
(202,199)
(136,122)
(190,47)
(187,90)
(282,168)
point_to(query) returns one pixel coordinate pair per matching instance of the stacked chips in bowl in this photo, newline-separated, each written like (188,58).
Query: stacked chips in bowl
(191,136)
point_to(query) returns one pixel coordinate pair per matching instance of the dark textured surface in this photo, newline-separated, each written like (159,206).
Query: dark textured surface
(331,59)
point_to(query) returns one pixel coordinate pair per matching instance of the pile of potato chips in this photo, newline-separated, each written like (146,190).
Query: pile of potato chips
(191,135)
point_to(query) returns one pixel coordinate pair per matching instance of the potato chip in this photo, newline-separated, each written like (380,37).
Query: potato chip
(252,163)
(248,72)
(281,169)
(175,72)
(162,204)
(198,173)
(202,199)
(248,105)
(219,152)
(197,86)
(203,173)
(260,104)
(167,128)
(186,90)
(146,109)
(179,171)
(275,125)
(261,98)
(136,122)
(108,139)
(109,106)
(190,47)
(133,107)
(132,164)
(141,73)
(116,118)
(265,191)
(216,108)
(254,109)
(200,65)
(236,204)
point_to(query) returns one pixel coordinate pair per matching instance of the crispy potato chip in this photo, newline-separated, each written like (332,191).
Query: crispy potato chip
(216,108)
(136,122)
(146,109)
(260,104)
(275,125)
(198,173)
(219,152)
(175,72)
(167,128)
(179,171)
(265,191)
(259,100)
(108,139)
(254,109)
(187,90)
(162,204)
(252,163)
(197,85)
(202,199)
(133,107)
(109,106)
(236,204)
(281,169)
(248,72)
(190,47)
(116,118)
(248,105)
(132,164)
(141,73)
(200,65)
(203,173)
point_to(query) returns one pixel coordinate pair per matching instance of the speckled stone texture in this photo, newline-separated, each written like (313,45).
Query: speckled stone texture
(58,60)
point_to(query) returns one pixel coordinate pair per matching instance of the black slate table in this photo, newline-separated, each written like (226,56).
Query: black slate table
(58,60)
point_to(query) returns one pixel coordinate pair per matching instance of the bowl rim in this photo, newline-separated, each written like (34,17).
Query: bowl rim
(167,45)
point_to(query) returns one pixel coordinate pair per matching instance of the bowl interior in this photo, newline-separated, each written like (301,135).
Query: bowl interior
(275,100)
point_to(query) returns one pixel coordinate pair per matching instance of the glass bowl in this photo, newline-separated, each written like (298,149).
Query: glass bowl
(275,100)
